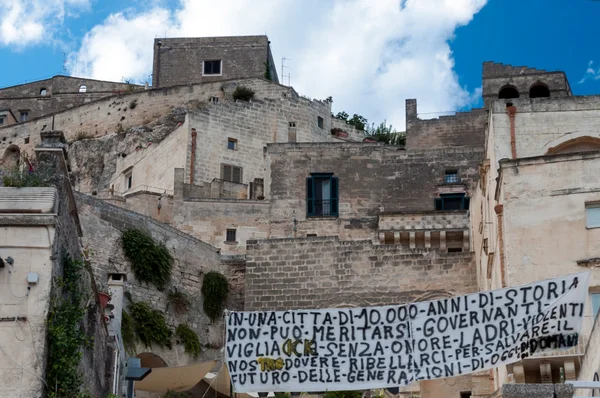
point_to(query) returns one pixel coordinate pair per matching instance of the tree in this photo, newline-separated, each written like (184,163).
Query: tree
(342,116)
(358,122)
(386,134)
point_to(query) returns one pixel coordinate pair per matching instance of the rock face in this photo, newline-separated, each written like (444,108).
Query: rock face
(93,161)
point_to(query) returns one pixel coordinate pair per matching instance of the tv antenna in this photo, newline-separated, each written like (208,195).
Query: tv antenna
(65,63)
(283,65)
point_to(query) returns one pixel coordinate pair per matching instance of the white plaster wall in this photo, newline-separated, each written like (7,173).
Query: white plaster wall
(543,123)
(23,343)
(152,167)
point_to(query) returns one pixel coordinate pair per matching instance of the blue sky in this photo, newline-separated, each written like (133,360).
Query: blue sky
(430,49)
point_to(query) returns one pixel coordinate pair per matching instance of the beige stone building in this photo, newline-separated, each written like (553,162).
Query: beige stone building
(535,212)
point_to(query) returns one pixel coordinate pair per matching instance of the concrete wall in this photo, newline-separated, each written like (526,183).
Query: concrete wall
(180,60)
(464,129)
(325,272)
(522,78)
(103,224)
(373,179)
(62,92)
(544,123)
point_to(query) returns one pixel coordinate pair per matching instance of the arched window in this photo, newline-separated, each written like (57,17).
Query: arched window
(508,92)
(539,90)
(83,88)
(11,157)
(43,91)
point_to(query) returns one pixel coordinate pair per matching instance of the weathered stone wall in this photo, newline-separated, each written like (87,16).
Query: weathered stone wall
(464,129)
(62,92)
(373,179)
(253,125)
(103,225)
(114,114)
(325,272)
(542,124)
(353,133)
(522,78)
(180,60)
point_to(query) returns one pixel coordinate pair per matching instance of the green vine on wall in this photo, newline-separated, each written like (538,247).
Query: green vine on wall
(189,338)
(150,325)
(151,262)
(214,291)
(65,334)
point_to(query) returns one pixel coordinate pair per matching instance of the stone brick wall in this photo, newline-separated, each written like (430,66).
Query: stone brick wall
(373,179)
(353,134)
(421,221)
(114,114)
(464,129)
(62,92)
(180,60)
(103,224)
(325,272)
(252,125)
(497,75)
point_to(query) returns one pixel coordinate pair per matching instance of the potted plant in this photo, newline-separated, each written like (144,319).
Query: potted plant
(104,295)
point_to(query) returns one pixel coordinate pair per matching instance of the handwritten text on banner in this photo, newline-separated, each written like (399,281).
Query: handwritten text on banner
(375,347)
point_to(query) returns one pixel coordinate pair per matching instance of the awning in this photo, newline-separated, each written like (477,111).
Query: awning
(177,379)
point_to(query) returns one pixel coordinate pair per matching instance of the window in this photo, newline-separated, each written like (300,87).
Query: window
(451,177)
(320,122)
(231,173)
(292,124)
(592,215)
(212,68)
(452,202)
(232,144)
(83,88)
(539,90)
(455,250)
(322,195)
(1,120)
(23,116)
(214,99)
(128,180)
(43,92)
(465,394)
(230,237)
(508,92)
(595,303)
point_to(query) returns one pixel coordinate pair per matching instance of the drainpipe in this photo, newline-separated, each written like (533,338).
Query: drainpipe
(193,157)
(499,209)
(512,110)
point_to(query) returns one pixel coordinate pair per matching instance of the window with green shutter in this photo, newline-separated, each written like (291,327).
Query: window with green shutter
(322,195)
(452,202)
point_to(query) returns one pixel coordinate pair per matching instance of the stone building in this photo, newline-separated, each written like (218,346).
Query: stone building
(43,97)
(180,61)
(535,211)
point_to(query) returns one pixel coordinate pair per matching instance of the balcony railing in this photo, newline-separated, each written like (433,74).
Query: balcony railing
(322,208)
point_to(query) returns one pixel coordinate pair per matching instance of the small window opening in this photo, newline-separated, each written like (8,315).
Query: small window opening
(1,120)
(310,235)
(214,99)
(451,177)
(230,235)
(232,144)
(320,122)
(231,173)
(212,67)
(452,202)
(43,92)
(539,90)
(128,181)
(592,215)
(508,93)
(292,124)
(456,250)
(23,116)
(466,394)
(83,88)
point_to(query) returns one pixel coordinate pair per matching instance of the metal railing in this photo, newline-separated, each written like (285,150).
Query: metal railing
(322,207)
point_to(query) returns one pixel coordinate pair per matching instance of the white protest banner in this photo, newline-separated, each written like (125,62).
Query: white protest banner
(390,346)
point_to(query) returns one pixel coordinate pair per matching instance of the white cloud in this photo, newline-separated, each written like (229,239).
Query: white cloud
(369,55)
(26,22)
(591,73)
